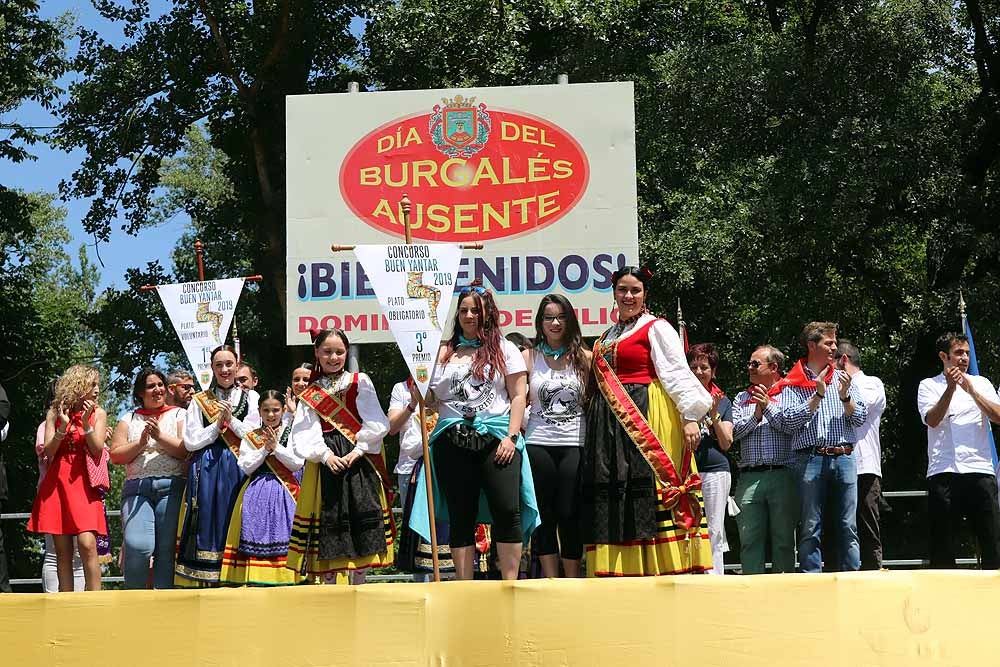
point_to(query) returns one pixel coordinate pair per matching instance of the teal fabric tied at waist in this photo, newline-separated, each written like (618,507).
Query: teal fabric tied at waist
(497,427)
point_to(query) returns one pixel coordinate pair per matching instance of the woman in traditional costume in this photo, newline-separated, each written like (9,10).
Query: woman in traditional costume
(477,457)
(217,420)
(67,505)
(259,530)
(642,507)
(558,365)
(343,520)
(149,442)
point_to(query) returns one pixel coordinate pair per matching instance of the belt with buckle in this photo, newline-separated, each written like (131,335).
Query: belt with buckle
(839,450)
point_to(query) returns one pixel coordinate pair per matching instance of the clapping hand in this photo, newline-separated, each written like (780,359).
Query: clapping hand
(290,401)
(88,410)
(758,394)
(844,386)
(152,429)
(955,376)
(821,384)
(62,422)
(225,412)
(270,439)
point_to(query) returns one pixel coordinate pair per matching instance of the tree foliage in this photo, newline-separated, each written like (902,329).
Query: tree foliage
(796,160)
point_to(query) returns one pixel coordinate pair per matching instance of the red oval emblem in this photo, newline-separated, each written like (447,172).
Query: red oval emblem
(472,173)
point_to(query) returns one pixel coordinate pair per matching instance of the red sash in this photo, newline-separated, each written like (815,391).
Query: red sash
(209,405)
(678,491)
(284,475)
(336,412)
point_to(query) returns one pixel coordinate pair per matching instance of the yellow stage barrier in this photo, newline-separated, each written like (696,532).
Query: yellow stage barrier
(899,618)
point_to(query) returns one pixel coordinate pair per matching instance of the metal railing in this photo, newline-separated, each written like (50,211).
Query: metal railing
(402,578)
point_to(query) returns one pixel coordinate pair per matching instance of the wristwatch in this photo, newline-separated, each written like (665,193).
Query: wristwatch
(846,400)
(513,436)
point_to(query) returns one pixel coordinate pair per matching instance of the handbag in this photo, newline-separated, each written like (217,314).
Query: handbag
(97,472)
(465,436)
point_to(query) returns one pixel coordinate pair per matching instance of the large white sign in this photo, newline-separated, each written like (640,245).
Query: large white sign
(543,176)
(414,285)
(201,314)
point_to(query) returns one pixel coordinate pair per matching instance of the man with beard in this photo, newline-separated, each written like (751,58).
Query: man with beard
(957,409)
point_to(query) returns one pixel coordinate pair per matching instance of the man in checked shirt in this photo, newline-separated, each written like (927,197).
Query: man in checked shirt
(767,490)
(820,409)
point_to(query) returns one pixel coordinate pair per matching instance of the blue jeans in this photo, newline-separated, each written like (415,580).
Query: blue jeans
(150,507)
(828,483)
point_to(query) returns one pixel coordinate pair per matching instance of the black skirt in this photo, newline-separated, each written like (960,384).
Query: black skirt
(617,487)
(351,523)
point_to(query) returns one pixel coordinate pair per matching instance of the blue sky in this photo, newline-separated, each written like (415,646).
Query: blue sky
(123,251)
(52,166)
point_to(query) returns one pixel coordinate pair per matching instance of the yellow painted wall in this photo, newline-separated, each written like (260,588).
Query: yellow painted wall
(899,618)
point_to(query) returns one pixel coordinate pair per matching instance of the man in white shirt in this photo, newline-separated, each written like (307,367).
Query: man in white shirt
(958,409)
(867,454)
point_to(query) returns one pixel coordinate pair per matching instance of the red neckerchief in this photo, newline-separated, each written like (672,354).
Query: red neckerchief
(771,393)
(155,412)
(797,376)
(715,390)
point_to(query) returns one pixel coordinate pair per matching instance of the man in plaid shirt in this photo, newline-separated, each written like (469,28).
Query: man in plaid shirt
(820,409)
(767,490)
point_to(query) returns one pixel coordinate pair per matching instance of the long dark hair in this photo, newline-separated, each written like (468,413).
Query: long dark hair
(490,353)
(139,385)
(319,337)
(572,338)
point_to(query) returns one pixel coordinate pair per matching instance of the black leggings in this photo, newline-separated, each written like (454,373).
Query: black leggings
(463,473)
(555,471)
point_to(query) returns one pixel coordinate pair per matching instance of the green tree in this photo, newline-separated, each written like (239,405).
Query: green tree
(227,67)
(31,59)
(45,300)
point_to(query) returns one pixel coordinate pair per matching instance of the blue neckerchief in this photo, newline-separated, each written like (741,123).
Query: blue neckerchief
(468,342)
(547,350)
(497,427)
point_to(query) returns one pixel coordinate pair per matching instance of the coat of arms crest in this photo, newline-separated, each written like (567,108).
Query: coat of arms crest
(458,127)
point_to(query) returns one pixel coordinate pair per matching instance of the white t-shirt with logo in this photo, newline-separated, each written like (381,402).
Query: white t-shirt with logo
(461,394)
(960,442)
(556,400)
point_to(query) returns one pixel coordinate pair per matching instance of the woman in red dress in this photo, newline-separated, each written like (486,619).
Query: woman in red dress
(66,504)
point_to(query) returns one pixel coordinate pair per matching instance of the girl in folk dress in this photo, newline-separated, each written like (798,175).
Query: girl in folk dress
(261,525)
(217,420)
(343,521)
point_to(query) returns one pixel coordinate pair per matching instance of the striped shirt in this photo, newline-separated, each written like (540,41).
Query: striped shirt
(829,426)
(760,443)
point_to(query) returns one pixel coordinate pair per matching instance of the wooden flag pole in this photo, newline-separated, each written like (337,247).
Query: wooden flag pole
(199,251)
(405,207)
(422,412)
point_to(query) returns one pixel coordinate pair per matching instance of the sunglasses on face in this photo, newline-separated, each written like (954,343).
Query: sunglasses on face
(754,364)
(189,387)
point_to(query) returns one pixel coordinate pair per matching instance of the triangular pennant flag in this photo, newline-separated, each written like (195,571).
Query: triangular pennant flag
(414,285)
(201,314)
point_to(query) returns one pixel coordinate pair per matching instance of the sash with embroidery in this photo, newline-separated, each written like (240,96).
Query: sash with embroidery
(677,492)
(333,409)
(284,475)
(209,404)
